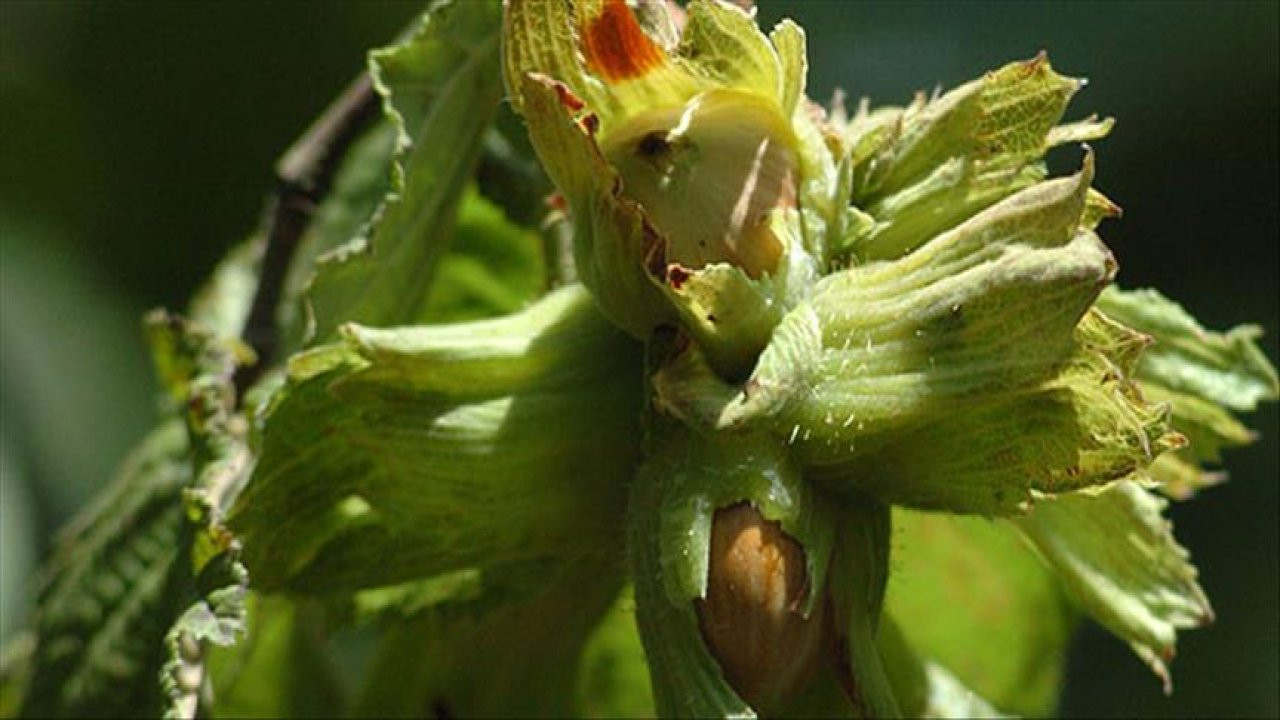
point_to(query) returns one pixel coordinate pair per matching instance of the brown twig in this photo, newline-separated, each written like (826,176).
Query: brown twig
(303,177)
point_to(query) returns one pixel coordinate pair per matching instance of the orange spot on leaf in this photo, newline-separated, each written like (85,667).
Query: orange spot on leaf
(614,45)
(567,98)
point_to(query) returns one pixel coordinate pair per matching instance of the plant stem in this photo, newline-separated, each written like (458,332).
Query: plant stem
(304,175)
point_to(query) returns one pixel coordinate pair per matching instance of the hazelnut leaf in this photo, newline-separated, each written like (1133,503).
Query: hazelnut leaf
(1117,557)
(968,594)
(1204,377)
(442,82)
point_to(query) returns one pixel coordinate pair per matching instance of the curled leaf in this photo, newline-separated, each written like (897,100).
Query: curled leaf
(406,453)
(1117,558)
(1203,376)
(985,309)
(924,169)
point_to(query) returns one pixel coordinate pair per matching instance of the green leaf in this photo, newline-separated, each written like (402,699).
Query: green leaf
(685,386)
(1117,558)
(967,594)
(404,453)
(1203,376)
(1180,475)
(409,598)
(144,558)
(102,612)
(1122,432)
(1224,368)
(509,174)
(701,474)
(923,687)
(515,651)
(951,193)
(281,669)
(440,89)
(15,671)
(361,183)
(493,268)
(921,171)
(614,680)
(193,359)
(1209,428)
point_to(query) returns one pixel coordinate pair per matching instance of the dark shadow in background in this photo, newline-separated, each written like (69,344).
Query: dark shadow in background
(136,143)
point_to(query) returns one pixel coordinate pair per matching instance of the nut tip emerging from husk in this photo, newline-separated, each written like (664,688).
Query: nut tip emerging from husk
(752,617)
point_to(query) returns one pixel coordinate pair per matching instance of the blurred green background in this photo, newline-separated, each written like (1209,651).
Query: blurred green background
(137,142)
